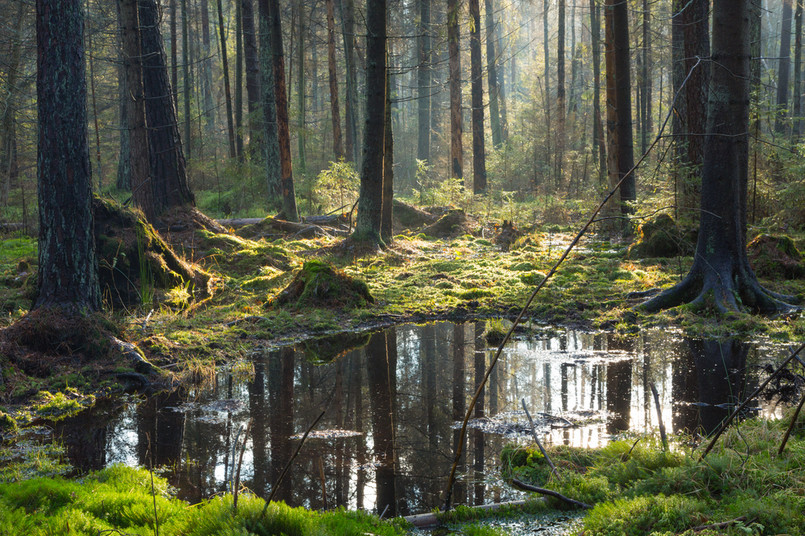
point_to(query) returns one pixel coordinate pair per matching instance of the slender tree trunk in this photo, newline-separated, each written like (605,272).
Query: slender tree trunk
(269,104)
(124,157)
(68,267)
(784,69)
(230,127)
(300,92)
(289,211)
(547,79)
(351,104)
(208,108)
(797,74)
(174,53)
(456,146)
(645,74)
(168,171)
(370,201)
(188,91)
(335,109)
(560,96)
(424,82)
(386,218)
(477,98)
(250,56)
(8,133)
(239,80)
(500,66)
(599,143)
(492,75)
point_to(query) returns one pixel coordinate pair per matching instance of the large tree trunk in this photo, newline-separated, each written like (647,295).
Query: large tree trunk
(721,277)
(289,211)
(168,172)
(370,202)
(335,109)
(784,69)
(138,158)
(477,99)
(424,82)
(230,127)
(271,157)
(456,146)
(68,267)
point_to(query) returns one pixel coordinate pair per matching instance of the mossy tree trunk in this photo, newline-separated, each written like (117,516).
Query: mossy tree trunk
(721,276)
(370,202)
(168,171)
(68,271)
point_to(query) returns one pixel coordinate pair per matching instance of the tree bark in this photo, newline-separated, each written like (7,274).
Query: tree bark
(168,171)
(477,100)
(230,127)
(370,201)
(721,277)
(250,56)
(174,52)
(784,68)
(560,95)
(300,92)
(289,211)
(599,142)
(68,267)
(351,104)
(645,75)
(239,80)
(208,106)
(797,106)
(332,75)
(424,82)
(188,91)
(271,156)
(386,218)
(492,75)
(456,146)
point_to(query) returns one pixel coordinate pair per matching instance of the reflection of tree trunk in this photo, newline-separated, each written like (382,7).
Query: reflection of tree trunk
(357,393)
(85,438)
(381,369)
(459,403)
(281,404)
(619,389)
(161,431)
(720,369)
(478,435)
(429,382)
(259,432)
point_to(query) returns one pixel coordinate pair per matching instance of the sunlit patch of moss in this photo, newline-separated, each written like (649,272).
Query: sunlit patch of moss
(62,404)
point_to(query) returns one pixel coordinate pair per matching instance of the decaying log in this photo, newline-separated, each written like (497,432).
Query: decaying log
(555,494)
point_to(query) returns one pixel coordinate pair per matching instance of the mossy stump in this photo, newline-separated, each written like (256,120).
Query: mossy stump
(319,284)
(507,235)
(662,237)
(451,224)
(775,257)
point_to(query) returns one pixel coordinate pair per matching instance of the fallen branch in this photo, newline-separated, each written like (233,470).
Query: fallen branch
(791,427)
(550,493)
(431,520)
(721,525)
(536,440)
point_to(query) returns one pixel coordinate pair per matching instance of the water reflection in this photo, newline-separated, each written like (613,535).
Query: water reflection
(387,439)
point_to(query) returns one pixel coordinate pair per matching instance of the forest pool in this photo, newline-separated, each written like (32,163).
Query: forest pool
(392,401)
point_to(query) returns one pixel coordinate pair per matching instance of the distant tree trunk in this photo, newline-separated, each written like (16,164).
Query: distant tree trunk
(599,143)
(300,92)
(456,146)
(250,56)
(492,75)
(560,95)
(619,101)
(424,82)
(174,53)
(208,106)
(335,109)
(477,99)
(795,133)
(370,201)
(289,211)
(784,69)
(386,218)
(168,172)
(351,104)
(269,104)
(499,65)
(239,80)
(645,74)
(188,91)
(139,159)
(123,156)
(547,79)
(68,267)
(230,127)
(8,133)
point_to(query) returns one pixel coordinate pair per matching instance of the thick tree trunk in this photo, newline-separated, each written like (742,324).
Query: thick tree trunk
(424,82)
(168,172)
(68,267)
(230,127)
(138,158)
(456,146)
(784,68)
(271,157)
(370,202)
(289,211)
(477,100)
(721,277)
(250,56)
(335,109)
(492,75)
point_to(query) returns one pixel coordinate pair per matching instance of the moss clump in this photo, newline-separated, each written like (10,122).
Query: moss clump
(8,426)
(326,349)
(507,235)
(319,284)
(55,407)
(775,257)
(452,224)
(661,237)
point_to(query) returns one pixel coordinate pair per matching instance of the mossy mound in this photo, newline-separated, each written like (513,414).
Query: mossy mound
(775,257)
(662,237)
(410,217)
(451,224)
(134,260)
(331,347)
(506,236)
(319,284)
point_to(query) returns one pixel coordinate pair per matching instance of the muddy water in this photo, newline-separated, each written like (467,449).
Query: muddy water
(385,442)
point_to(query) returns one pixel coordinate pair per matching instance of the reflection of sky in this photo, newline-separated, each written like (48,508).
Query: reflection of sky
(567,376)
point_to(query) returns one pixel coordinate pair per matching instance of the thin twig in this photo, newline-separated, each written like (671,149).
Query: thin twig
(791,426)
(663,438)
(528,487)
(536,440)
(757,391)
(288,465)
(236,487)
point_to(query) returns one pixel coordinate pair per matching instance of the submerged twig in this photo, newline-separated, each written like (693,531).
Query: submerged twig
(791,426)
(551,493)
(536,440)
(288,465)
(728,420)
(663,438)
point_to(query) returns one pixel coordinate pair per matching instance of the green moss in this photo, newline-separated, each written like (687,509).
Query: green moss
(320,284)
(61,405)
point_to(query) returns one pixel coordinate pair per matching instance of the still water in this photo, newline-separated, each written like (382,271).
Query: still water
(391,404)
